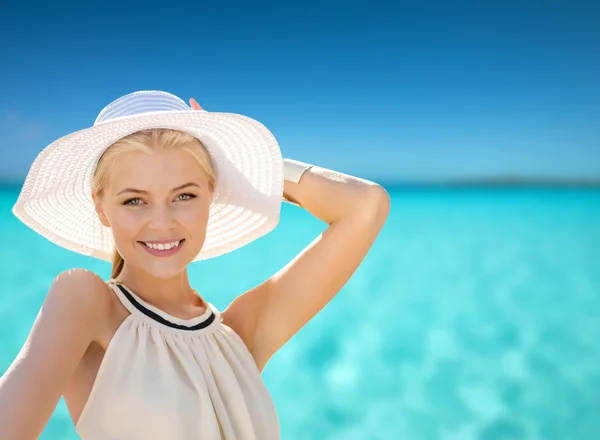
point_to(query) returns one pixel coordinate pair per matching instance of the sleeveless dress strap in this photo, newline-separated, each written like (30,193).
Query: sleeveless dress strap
(139,307)
(127,303)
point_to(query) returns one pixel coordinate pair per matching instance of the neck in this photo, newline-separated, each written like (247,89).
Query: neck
(164,293)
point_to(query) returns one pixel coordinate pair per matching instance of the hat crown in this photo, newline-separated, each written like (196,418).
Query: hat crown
(140,102)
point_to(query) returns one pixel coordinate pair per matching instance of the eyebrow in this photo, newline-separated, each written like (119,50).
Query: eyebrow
(141,191)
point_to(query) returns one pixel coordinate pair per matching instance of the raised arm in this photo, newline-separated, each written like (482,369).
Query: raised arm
(355,210)
(63,330)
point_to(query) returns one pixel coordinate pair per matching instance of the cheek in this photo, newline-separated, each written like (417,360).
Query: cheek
(125,223)
(193,217)
(195,210)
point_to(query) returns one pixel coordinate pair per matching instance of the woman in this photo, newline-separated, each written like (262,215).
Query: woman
(152,187)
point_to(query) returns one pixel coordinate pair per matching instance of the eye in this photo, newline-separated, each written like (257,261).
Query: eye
(137,201)
(187,196)
(130,201)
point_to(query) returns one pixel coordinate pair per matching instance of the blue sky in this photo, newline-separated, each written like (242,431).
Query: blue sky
(383,91)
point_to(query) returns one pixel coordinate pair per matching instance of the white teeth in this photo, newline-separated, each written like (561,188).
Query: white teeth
(163,246)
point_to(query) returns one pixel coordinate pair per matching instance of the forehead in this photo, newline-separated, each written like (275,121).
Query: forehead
(159,171)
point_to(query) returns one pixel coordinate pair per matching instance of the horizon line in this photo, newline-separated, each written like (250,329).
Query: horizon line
(492,181)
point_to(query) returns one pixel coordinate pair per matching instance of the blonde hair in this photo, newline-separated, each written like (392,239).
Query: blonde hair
(148,141)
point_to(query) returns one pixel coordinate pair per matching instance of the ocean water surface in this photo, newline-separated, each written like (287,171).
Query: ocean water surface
(476,315)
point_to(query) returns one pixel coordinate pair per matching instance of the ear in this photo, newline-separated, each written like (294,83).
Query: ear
(98,207)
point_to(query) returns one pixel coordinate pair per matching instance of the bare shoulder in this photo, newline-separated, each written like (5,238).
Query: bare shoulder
(64,328)
(80,291)
(78,276)
(80,285)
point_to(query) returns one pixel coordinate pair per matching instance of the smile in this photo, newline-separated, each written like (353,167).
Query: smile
(162,249)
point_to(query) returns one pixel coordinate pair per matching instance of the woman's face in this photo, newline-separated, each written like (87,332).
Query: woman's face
(155,198)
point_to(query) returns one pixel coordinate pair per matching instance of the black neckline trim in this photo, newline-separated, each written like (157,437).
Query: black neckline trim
(162,320)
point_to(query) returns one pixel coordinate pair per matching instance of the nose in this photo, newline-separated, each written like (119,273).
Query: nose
(161,219)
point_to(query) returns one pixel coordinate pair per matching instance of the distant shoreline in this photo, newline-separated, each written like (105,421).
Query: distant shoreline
(466,182)
(497,182)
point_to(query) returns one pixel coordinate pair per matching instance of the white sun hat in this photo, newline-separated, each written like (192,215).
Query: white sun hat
(56,202)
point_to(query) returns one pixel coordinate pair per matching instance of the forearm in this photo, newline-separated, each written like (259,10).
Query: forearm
(330,195)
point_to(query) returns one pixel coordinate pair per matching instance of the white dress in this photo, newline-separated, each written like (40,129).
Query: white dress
(178,379)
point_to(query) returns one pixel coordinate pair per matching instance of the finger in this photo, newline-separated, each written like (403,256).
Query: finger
(194,104)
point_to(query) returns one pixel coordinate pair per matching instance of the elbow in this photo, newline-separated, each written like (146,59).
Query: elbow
(376,204)
(381,198)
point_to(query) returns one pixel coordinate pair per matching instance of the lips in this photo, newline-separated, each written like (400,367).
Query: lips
(162,245)
(156,245)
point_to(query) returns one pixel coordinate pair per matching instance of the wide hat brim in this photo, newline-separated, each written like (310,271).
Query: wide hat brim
(55,200)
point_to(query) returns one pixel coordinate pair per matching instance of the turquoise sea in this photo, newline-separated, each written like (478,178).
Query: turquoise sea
(476,315)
